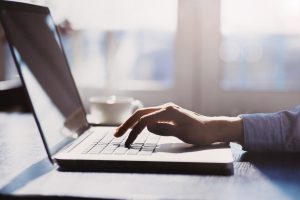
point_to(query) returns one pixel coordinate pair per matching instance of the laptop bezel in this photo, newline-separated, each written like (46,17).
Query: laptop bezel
(25,7)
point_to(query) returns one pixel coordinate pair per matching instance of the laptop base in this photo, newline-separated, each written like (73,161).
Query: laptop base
(145,167)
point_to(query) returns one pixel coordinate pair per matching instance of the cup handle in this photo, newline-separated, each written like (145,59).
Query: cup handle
(136,104)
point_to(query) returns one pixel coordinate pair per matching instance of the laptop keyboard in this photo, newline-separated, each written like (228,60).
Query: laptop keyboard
(107,144)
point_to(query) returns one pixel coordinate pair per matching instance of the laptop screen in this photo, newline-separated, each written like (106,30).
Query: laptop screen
(40,59)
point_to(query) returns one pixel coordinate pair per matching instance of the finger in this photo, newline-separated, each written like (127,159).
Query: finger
(133,119)
(170,104)
(163,129)
(121,130)
(160,115)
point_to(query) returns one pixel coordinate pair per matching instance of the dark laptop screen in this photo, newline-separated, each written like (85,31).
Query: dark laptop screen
(40,58)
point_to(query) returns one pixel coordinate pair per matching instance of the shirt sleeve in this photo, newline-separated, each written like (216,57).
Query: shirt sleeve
(272,131)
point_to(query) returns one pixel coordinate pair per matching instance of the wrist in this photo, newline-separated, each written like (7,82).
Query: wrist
(229,129)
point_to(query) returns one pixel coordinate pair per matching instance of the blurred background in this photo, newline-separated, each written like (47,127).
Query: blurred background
(216,57)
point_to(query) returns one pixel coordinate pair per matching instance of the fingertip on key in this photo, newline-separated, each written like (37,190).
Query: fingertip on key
(117,133)
(127,144)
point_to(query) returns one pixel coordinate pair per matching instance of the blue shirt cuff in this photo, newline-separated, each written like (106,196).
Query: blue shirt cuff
(272,132)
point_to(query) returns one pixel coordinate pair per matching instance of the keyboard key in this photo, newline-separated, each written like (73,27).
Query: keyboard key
(152,140)
(142,138)
(117,140)
(133,151)
(107,139)
(88,148)
(148,148)
(109,149)
(97,149)
(121,151)
(136,146)
(99,137)
(150,145)
(107,144)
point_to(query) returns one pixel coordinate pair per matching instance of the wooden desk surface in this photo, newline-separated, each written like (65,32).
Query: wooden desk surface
(25,170)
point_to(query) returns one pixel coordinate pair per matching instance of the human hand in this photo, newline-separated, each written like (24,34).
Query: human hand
(172,120)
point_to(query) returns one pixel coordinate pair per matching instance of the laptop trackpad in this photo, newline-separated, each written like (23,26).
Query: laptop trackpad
(174,145)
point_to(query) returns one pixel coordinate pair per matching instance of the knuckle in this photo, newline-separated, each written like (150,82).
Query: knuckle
(139,111)
(171,107)
(170,104)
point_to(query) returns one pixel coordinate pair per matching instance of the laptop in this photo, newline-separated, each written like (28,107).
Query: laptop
(70,141)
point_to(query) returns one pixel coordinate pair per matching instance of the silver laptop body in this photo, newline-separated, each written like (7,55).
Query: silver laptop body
(71,142)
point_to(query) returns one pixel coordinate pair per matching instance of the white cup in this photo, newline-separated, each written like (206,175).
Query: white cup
(113,110)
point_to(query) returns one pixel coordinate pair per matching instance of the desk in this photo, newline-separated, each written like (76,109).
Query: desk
(25,170)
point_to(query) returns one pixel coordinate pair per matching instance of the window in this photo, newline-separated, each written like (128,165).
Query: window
(138,48)
(260,48)
(119,44)
(247,56)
